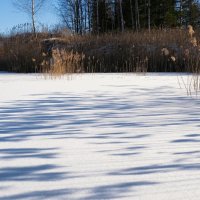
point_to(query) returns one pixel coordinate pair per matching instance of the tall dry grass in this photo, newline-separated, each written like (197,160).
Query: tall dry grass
(166,50)
(22,53)
(64,62)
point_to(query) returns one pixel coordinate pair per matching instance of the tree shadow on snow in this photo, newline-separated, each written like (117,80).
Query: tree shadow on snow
(43,194)
(118,123)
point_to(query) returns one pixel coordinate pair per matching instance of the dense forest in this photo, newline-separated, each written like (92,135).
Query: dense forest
(99,16)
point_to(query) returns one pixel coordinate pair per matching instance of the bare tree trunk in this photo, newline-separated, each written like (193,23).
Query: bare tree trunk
(149,15)
(121,15)
(181,10)
(89,15)
(30,7)
(97,16)
(33,17)
(132,19)
(85,16)
(137,16)
(80,17)
(76,14)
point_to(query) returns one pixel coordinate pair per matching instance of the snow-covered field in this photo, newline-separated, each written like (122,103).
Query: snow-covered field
(102,136)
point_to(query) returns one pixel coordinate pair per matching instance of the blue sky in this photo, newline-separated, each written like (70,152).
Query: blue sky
(10,16)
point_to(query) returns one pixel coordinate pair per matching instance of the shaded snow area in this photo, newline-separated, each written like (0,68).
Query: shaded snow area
(100,136)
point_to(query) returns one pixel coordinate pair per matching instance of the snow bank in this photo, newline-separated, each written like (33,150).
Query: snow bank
(98,136)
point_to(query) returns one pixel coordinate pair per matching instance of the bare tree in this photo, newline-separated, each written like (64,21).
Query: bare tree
(121,15)
(89,13)
(132,17)
(181,10)
(149,15)
(75,14)
(30,7)
(97,5)
(137,16)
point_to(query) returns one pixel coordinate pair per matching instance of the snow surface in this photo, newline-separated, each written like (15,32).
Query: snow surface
(98,136)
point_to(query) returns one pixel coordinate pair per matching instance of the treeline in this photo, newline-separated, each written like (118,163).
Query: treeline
(100,16)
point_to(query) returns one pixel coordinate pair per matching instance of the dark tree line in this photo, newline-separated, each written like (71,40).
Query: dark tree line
(100,16)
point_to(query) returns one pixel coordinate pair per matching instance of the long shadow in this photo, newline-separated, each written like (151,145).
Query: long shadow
(63,116)
(13,129)
(32,173)
(43,195)
(188,138)
(187,153)
(21,153)
(151,169)
(117,190)
(27,119)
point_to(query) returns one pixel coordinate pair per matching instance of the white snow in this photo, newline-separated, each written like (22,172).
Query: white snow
(98,136)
